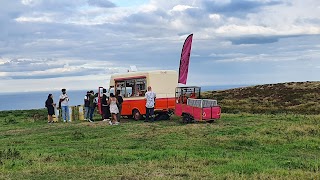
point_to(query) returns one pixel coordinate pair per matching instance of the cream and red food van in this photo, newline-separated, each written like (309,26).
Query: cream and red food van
(133,86)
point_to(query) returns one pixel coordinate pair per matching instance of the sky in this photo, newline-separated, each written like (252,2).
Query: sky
(77,44)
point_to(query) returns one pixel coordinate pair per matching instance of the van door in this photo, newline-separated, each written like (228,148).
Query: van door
(100,93)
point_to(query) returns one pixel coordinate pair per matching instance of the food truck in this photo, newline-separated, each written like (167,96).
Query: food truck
(133,86)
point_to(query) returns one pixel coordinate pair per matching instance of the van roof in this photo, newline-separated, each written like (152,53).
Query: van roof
(142,73)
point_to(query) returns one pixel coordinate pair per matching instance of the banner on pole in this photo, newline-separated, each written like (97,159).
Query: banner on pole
(184,60)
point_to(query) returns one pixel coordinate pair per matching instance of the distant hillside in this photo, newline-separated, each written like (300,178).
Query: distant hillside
(291,97)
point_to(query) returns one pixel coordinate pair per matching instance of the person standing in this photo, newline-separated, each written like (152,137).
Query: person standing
(92,105)
(113,109)
(105,106)
(86,106)
(64,99)
(50,107)
(150,97)
(120,101)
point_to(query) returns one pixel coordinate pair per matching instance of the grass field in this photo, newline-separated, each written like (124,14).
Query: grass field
(238,146)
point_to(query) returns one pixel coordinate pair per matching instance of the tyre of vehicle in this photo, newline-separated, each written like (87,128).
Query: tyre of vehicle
(185,118)
(136,115)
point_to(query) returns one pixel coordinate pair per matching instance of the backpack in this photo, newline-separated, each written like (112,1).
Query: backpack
(95,102)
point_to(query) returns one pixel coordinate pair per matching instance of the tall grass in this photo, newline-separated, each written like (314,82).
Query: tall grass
(292,97)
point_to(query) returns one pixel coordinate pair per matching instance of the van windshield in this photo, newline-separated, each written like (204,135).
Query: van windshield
(122,91)
(131,87)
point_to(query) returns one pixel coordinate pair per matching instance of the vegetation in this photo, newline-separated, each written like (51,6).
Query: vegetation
(292,97)
(282,142)
(238,146)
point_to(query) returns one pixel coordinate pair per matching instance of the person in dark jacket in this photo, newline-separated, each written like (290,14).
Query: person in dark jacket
(86,106)
(92,104)
(120,101)
(105,106)
(50,107)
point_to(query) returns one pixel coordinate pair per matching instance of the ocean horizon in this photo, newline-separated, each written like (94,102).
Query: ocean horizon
(36,99)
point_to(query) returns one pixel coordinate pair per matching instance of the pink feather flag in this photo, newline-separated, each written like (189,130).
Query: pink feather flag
(184,60)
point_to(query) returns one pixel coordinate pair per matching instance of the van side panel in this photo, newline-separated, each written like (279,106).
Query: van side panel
(163,83)
(129,105)
(163,104)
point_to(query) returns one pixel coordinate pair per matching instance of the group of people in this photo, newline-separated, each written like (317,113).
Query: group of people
(111,106)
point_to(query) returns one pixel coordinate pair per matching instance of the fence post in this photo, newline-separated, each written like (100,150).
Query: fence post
(80,112)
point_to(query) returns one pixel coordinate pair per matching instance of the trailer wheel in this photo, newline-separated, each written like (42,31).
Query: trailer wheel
(136,115)
(186,118)
(162,116)
(210,121)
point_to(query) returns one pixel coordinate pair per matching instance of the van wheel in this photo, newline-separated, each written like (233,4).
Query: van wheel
(136,115)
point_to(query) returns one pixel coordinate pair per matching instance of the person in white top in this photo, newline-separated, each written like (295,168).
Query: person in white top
(150,102)
(113,109)
(64,99)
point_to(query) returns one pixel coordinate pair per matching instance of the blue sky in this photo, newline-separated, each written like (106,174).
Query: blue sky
(78,44)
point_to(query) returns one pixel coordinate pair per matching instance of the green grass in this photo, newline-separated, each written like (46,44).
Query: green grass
(238,146)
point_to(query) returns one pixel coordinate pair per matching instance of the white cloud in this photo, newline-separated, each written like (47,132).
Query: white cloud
(34,19)
(227,55)
(180,8)
(215,17)
(29,2)
(244,30)
(70,83)
(147,8)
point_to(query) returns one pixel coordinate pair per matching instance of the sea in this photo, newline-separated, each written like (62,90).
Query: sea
(36,100)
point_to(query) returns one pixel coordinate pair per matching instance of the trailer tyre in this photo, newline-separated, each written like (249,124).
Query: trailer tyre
(162,116)
(186,118)
(136,115)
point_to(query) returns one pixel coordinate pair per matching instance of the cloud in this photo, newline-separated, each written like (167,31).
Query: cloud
(70,83)
(215,17)
(244,30)
(254,40)
(180,8)
(262,39)
(34,19)
(56,39)
(101,3)
(52,5)
(145,18)
(237,7)
(25,65)
(53,68)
